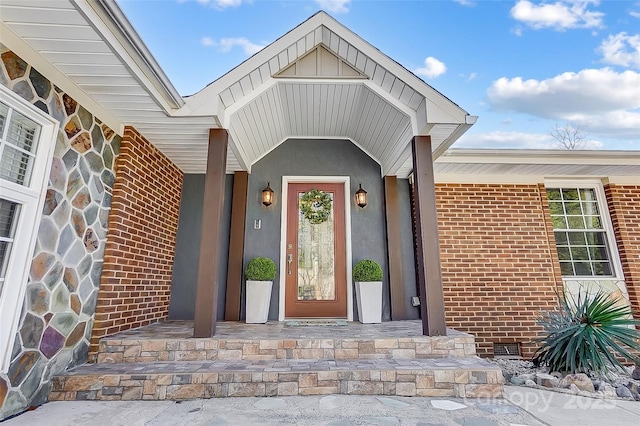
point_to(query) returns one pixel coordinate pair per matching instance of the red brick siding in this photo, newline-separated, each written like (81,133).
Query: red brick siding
(499,262)
(624,208)
(136,276)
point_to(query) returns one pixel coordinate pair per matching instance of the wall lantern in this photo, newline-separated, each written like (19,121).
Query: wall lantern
(361,197)
(267,195)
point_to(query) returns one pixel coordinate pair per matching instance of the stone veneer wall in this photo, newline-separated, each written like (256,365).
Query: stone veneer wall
(56,319)
(624,208)
(499,263)
(143,224)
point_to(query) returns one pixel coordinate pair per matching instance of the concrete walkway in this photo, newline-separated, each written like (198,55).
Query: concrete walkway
(523,406)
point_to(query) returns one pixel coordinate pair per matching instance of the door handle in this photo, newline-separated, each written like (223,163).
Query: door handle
(289,262)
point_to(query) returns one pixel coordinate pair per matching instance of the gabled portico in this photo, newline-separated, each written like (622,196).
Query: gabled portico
(322,82)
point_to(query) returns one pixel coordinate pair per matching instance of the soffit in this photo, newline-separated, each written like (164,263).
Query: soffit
(91,52)
(380,109)
(548,163)
(77,45)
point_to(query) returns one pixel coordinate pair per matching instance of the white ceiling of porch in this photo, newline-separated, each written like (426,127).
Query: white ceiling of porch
(380,110)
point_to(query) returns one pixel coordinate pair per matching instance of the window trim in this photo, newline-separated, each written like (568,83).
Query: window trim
(607,226)
(31,198)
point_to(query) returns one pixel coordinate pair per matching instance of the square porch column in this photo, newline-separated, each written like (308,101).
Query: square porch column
(429,275)
(204,324)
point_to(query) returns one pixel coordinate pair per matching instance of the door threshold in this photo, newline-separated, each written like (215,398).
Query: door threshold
(313,322)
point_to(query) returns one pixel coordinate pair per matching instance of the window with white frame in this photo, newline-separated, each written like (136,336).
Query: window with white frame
(582,231)
(26,145)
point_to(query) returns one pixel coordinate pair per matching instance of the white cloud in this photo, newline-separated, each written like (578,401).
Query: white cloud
(515,140)
(335,6)
(228,43)
(468,3)
(472,76)
(561,15)
(222,4)
(207,41)
(609,101)
(621,49)
(432,68)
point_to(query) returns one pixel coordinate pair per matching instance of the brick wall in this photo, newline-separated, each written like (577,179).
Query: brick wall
(136,277)
(499,264)
(624,207)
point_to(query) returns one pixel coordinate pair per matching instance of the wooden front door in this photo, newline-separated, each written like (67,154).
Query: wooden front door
(315,275)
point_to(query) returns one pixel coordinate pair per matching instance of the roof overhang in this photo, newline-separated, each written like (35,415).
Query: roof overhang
(91,51)
(536,166)
(379,107)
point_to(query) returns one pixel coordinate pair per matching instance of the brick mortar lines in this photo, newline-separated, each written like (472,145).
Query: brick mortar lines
(624,207)
(140,241)
(493,287)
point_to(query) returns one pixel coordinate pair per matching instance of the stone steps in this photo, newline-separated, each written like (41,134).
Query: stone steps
(113,350)
(162,361)
(449,377)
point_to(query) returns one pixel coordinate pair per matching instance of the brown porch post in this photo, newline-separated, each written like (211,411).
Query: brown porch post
(394,248)
(236,246)
(428,249)
(207,290)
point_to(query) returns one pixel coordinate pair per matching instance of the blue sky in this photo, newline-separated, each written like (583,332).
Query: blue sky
(522,66)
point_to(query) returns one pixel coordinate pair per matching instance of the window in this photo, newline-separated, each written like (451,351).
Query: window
(26,145)
(580,227)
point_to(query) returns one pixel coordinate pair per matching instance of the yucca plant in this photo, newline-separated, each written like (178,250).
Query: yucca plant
(584,334)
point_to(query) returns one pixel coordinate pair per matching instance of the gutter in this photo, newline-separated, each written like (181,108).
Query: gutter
(112,15)
(540,156)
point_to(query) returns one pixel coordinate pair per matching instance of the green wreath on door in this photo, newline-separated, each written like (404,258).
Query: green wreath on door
(315,205)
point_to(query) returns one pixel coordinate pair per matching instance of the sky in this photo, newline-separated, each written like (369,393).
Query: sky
(524,67)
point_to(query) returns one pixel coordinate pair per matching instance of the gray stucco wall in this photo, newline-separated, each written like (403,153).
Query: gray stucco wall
(408,263)
(292,158)
(297,157)
(185,267)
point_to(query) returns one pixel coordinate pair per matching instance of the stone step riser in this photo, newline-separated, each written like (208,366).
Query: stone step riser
(129,351)
(430,383)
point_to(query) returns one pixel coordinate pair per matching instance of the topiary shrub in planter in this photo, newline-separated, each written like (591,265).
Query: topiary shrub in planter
(260,273)
(367,275)
(584,334)
(260,269)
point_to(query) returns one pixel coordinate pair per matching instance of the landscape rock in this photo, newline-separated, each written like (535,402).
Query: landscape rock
(623,392)
(636,373)
(548,381)
(609,391)
(518,380)
(581,380)
(574,389)
(530,383)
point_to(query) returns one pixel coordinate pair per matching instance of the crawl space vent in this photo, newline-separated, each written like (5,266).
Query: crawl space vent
(506,350)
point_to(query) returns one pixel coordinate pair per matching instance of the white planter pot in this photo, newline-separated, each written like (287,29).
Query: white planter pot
(369,297)
(258,299)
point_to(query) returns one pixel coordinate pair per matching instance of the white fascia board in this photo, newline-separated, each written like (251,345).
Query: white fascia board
(395,68)
(116,31)
(453,137)
(200,103)
(535,156)
(21,48)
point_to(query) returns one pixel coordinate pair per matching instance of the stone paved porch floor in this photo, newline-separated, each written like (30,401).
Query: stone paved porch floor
(278,330)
